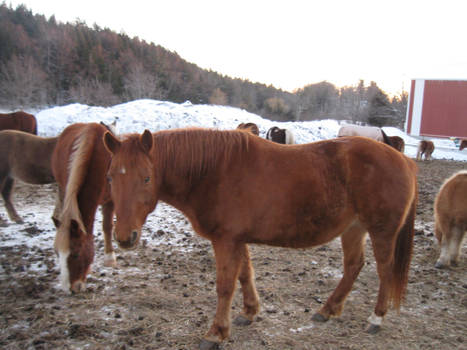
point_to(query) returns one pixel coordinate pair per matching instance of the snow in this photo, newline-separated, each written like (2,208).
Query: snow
(155,115)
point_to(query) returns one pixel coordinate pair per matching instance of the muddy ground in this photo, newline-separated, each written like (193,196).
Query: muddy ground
(162,295)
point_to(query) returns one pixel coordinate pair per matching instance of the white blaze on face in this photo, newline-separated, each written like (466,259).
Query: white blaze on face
(123,171)
(64,272)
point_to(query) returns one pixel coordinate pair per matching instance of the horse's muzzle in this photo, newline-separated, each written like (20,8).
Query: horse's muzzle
(129,243)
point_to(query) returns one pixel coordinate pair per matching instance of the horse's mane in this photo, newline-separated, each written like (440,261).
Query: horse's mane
(192,152)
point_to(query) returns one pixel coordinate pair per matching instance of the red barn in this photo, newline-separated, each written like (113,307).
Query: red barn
(437,108)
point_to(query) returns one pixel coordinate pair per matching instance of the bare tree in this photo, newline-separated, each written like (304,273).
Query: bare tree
(139,83)
(22,83)
(93,92)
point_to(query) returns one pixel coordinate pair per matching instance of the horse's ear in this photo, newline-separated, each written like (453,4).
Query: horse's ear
(146,140)
(111,143)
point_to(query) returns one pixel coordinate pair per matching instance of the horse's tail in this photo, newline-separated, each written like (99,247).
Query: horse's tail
(403,255)
(386,139)
(78,168)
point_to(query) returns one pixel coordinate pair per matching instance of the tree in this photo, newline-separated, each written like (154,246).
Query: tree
(218,97)
(22,83)
(139,83)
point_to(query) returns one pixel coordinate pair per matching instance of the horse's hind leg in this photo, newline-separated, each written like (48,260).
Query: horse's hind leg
(250,295)
(353,246)
(6,194)
(107,225)
(450,248)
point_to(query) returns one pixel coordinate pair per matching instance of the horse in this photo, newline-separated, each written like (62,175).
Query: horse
(278,135)
(18,121)
(463,144)
(372,132)
(426,148)
(26,157)
(397,142)
(451,218)
(237,189)
(79,164)
(251,127)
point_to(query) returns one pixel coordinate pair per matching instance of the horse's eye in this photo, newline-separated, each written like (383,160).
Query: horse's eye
(146,179)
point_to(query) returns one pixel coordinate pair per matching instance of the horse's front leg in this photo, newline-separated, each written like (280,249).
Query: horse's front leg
(228,259)
(107,226)
(250,295)
(6,194)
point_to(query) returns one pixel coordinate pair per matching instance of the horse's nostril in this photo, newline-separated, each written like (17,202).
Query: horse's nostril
(134,236)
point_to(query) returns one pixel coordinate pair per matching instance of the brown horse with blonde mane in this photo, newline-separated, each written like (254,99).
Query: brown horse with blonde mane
(21,121)
(251,127)
(79,164)
(25,157)
(238,189)
(425,148)
(451,218)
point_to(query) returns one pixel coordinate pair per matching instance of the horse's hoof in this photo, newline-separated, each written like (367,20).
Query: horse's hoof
(208,345)
(373,329)
(19,221)
(440,265)
(317,317)
(241,320)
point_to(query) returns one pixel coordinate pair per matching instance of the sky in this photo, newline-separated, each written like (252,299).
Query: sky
(292,43)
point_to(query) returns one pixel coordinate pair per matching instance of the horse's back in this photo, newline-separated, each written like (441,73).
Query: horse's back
(372,132)
(301,190)
(451,199)
(19,121)
(27,156)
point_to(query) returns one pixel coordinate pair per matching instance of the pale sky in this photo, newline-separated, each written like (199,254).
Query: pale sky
(292,43)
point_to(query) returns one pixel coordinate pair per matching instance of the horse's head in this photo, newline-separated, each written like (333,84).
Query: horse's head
(75,249)
(133,184)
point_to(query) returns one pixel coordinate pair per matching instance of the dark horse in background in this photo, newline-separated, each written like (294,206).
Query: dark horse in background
(237,189)
(279,135)
(79,164)
(397,142)
(251,127)
(25,157)
(19,121)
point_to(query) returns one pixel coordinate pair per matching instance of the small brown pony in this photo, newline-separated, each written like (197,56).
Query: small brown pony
(425,148)
(397,142)
(462,145)
(79,164)
(19,121)
(237,189)
(25,157)
(251,127)
(451,218)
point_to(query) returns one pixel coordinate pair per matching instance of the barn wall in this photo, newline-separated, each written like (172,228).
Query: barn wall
(437,108)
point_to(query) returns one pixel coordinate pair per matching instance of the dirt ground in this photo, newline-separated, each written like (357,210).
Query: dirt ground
(162,295)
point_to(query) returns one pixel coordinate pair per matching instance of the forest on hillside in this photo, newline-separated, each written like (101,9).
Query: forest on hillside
(46,62)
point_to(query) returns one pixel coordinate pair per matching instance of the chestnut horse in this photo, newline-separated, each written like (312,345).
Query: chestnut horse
(79,164)
(251,127)
(397,142)
(279,135)
(451,218)
(25,157)
(426,148)
(19,121)
(237,189)
(462,145)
